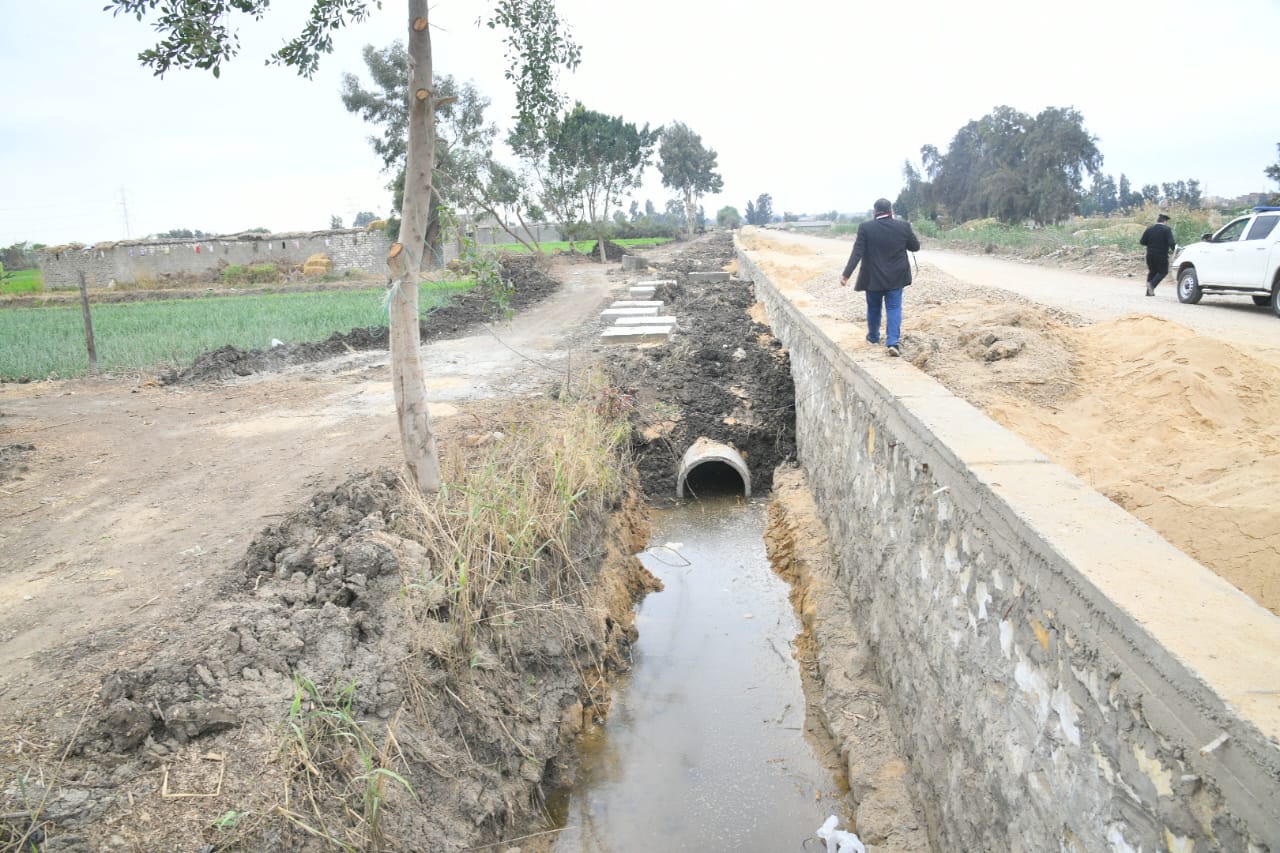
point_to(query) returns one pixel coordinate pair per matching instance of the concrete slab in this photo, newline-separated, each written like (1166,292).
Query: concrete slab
(708,277)
(638,303)
(613,313)
(656,282)
(645,320)
(641,292)
(636,334)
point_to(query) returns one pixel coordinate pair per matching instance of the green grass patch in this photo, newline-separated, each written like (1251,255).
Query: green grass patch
(48,342)
(23,281)
(1112,232)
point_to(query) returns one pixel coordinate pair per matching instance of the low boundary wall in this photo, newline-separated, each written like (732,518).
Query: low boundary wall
(1060,677)
(203,258)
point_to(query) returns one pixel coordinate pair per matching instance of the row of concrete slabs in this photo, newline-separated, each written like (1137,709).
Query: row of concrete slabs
(640,319)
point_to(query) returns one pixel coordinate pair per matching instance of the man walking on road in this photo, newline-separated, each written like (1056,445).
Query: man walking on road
(1160,244)
(883,243)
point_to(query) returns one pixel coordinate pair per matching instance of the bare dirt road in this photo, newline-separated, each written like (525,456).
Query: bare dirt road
(127,500)
(1232,319)
(1167,409)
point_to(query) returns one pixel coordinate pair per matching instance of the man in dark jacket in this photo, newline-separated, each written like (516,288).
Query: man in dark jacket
(1160,244)
(882,244)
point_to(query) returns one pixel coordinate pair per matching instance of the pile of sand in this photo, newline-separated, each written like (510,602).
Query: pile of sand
(1177,428)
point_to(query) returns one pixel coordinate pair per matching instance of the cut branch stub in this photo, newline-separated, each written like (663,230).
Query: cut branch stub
(419,24)
(422,94)
(395,260)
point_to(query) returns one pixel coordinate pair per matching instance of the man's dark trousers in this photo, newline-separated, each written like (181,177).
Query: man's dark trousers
(1157,269)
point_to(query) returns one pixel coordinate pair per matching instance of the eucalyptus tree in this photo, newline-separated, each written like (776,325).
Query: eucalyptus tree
(467,177)
(1273,171)
(1059,154)
(199,34)
(585,161)
(688,167)
(1013,166)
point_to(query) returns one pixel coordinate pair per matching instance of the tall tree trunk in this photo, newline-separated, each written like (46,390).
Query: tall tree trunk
(405,261)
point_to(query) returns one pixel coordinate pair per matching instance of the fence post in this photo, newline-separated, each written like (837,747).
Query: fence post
(88,325)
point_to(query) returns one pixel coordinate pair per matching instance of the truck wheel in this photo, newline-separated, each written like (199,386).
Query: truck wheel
(1189,286)
(1275,299)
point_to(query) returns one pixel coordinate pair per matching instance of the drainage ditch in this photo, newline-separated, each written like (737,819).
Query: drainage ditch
(706,746)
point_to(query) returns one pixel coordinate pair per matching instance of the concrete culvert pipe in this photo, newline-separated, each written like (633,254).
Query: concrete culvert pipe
(717,464)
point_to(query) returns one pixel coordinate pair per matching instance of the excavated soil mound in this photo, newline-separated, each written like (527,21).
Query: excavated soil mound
(526,276)
(336,625)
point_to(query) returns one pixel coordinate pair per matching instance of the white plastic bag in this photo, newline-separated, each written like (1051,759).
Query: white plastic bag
(838,840)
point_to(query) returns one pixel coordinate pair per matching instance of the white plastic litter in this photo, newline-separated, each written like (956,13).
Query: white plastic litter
(276,342)
(838,840)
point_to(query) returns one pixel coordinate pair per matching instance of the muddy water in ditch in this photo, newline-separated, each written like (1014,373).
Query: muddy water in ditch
(704,747)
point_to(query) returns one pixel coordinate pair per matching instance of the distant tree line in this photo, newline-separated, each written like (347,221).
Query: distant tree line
(573,166)
(761,211)
(20,256)
(1019,168)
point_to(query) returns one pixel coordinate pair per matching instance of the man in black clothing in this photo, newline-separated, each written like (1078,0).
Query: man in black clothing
(883,242)
(1160,244)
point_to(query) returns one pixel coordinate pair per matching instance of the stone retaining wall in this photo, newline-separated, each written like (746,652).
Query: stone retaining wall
(1060,677)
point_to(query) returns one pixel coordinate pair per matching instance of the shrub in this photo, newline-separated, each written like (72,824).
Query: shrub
(264,273)
(235,274)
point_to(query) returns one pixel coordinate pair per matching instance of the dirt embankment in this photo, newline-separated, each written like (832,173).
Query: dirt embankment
(1172,426)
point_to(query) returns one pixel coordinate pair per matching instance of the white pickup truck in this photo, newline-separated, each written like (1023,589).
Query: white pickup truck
(1243,257)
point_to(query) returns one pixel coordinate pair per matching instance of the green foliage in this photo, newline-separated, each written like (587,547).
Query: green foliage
(467,177)
(235,274)
(386,106)
(1007,165)
(335,222)
(1273,172)
(195,33)
(18,256)
(331,757)
(761,211)
(484,267)
(728,217)
(537,46)
(183,232)
(48,342)
(21,281)
(510,508)
(264,273)
(363,218)
(688,166)
(1113,232)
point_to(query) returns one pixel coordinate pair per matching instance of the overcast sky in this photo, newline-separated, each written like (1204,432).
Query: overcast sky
(816,103)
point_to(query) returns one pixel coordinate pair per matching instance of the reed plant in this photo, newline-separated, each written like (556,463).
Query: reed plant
(335,766)
(503,524)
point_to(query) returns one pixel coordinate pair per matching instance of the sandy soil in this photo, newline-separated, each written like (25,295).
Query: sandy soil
(1173,425)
